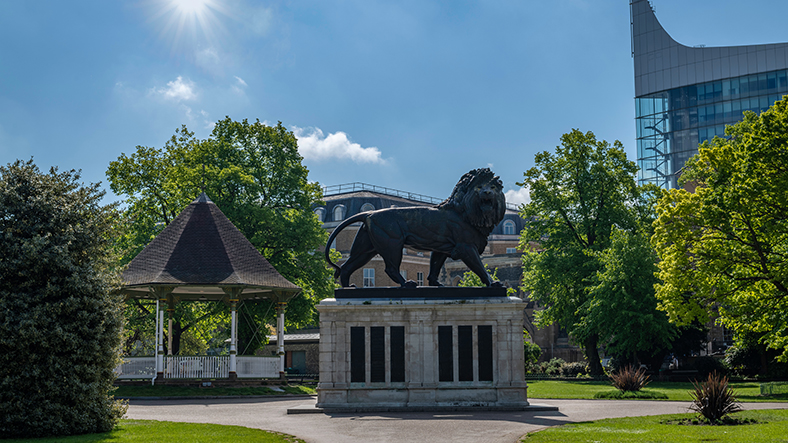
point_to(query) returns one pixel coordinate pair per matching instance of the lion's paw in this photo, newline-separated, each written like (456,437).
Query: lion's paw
(410,284)
(496,284)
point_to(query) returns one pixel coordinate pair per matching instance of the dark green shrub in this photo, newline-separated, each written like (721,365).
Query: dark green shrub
(713,399)
(574,369)
(552,367)
(621,395)
(532,352)
(743,360)
(777,370)
(707,365)
(629,379)
(59,325)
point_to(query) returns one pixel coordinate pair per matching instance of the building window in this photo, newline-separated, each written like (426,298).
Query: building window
(420,278)
(339,212)
(511,250)
(404,274)
(727,335)
(367,207)
(369,277)
(321,214)
(508,227)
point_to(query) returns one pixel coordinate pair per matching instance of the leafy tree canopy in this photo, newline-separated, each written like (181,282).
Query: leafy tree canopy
(471,280)
(580,195)
(254,174)
(724,247)
(623,307)
(60,324)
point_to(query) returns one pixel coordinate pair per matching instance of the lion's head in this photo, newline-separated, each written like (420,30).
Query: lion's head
(478,196)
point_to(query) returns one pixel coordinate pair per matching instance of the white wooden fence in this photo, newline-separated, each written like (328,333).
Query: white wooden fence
(136,367)
(257,367)
(198,367)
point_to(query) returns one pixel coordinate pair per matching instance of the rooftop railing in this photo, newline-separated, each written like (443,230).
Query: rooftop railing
(357,187)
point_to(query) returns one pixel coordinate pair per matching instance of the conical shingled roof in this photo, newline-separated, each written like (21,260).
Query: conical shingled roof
(200,248)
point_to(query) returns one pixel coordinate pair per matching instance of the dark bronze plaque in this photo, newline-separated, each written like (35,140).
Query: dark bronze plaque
(465,352)
(485,351)
(445,354)
(377,354)
(357,357)
(397,357)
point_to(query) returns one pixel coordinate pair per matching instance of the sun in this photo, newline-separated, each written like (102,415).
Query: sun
(189,23)
(190,7)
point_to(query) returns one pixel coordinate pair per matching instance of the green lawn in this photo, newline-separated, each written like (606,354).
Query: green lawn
(143,431)
(679,391)
(771,427)
(182,391)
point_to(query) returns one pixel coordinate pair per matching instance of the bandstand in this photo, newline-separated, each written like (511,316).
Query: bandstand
(202,256)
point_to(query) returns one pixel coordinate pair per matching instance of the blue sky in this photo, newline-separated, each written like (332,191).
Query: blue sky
(408,95)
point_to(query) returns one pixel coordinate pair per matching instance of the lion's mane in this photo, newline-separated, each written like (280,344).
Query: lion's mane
(464,199)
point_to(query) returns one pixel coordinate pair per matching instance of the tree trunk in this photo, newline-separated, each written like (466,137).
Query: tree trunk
(177,331)
(764,360)
(592,354)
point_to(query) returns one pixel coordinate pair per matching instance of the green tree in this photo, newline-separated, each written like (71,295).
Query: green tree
(471,280)
(622,306)
(60,324)
(254,174)
(531,351)
(724,247)
(579,195)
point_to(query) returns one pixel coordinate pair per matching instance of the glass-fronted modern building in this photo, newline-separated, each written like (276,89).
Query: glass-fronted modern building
(686,95)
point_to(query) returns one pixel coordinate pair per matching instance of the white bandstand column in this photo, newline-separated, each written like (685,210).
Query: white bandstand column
(160,294)
(169,329)
(233,297)
(280,336)
(160,344)
(233,337)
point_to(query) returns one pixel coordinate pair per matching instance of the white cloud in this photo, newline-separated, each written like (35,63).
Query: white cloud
(314,145)
(207,57)
(239,86)
(179,89)
(211,60)
(207,121)
(260,20)
(518,196)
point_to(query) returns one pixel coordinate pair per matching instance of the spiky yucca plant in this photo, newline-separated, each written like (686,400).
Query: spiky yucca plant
(629,379)
(713,399)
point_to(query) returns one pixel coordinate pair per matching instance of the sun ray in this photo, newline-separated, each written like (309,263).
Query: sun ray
(187,24)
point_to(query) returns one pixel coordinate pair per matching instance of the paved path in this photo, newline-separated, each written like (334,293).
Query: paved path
(424,427)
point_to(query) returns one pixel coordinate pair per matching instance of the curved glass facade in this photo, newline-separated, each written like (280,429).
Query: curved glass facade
(686,95)
(671,124)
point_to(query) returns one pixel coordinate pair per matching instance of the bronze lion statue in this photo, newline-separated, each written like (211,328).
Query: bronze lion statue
(458,228)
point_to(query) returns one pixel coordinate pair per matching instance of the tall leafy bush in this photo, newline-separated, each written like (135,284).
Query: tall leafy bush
(60,323)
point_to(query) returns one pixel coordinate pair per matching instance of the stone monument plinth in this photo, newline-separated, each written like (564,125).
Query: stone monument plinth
(427,348)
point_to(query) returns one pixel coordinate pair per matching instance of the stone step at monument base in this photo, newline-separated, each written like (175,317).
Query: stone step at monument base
(310,409)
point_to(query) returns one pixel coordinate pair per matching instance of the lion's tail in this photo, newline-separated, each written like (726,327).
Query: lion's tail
(347,222)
